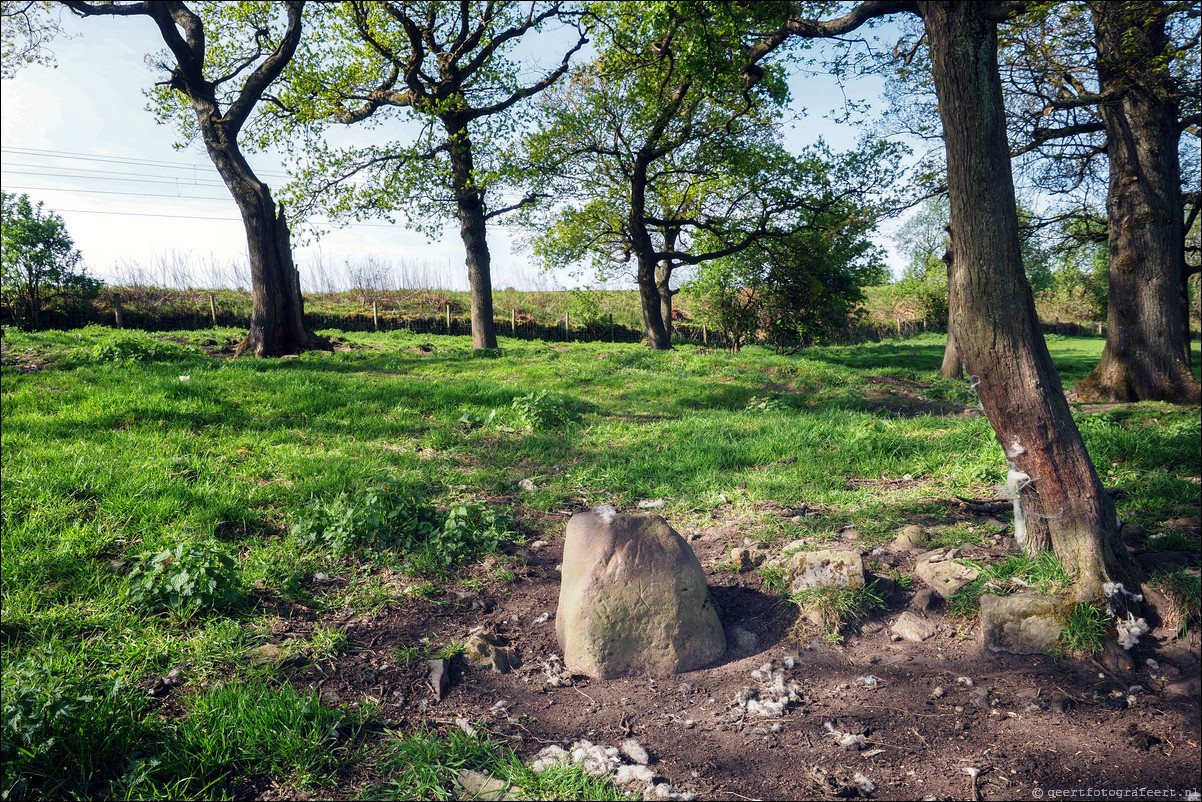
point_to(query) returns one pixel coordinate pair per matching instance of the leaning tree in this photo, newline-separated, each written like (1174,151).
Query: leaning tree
(993,314)
(211,91)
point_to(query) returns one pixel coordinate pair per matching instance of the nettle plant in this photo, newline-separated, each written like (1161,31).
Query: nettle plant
(185,580)
(388,515)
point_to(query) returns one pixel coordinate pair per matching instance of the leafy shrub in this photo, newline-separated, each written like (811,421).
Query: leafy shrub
(542,411)
(62,736)
(391,516)
(468,529)
(185,580)
(35,708)
(137,346)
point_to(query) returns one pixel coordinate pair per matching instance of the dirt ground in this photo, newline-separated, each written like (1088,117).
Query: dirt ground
(868,720)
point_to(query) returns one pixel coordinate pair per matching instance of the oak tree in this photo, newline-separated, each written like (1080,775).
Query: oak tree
(445,75)
(212,90)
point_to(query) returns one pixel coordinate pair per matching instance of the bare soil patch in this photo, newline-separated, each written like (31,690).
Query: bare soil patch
(915,723)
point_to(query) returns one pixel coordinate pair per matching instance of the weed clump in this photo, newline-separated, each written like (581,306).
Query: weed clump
(1085,628)
(129,347)
(835,607)
(185,580)
(394,517)
(1183,589)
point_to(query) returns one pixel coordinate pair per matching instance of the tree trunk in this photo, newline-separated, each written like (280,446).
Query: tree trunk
(473,231)
(277,321)
(649,299)
(644,252)
(993,319)
(1146,357)
(953,362)
(663,276)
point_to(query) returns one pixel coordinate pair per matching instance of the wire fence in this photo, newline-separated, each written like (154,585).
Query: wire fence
(164,314)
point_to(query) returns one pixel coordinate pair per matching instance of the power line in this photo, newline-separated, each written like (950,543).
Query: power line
(158,164)
(174,181)
(113,192)
(202,217)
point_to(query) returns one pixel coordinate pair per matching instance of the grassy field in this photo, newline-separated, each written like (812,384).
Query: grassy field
(159,499)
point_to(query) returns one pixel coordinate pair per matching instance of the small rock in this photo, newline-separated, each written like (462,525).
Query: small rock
(923,600)
(1189,687)
(945,578)
(653,504)
(1133,531)
(744,640)
(913,628)
(826,567)
(439,676)
(885,586)
(265,654)
(741,559)
(538,544)
(871,627)
(475,785)
(1116,660)
(1023,623)
(1061,704)
(937,693)
(910,537)
(1028,694)
(527,485)
(485,650)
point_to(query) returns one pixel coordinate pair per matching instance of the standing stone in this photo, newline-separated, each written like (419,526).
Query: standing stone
(633,599)
(1024,623)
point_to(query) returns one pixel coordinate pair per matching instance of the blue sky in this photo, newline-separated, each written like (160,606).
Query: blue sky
(79,138)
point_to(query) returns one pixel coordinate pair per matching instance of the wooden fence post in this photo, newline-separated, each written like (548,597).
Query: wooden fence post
(375,315)
(513,321)
(448,317)
(117,309)
(611,328)
(213,308)
(567,321)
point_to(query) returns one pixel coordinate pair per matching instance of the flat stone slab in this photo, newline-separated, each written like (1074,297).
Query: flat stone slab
(912,628)
(808,569)
(945,577)
(1024,623)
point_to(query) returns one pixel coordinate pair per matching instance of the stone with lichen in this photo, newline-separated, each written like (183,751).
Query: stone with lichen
(633,599)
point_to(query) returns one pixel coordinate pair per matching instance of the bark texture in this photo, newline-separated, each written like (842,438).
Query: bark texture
(953,362)
(1146,357)
(993,319)
(474,232)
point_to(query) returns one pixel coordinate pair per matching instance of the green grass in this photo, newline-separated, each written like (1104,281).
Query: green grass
(121,447)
